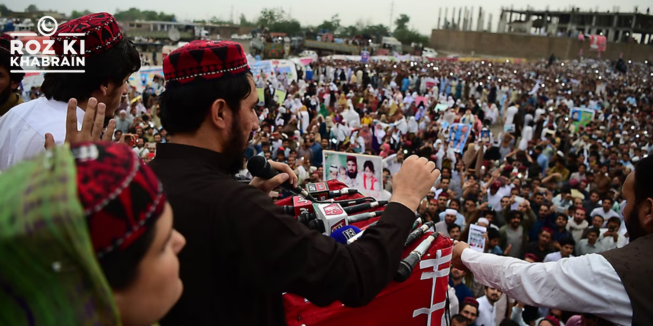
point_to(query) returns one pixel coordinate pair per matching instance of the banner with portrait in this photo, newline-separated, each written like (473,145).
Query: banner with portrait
(581,116)
(358,171)
(458,134)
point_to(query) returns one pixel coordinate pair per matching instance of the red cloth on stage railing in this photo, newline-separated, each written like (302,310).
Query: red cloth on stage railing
(420,300)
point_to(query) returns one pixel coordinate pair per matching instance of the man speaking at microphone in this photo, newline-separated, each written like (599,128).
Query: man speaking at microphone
(615,285)
(242,251)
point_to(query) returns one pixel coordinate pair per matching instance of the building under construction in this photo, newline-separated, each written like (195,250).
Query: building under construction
(616,26)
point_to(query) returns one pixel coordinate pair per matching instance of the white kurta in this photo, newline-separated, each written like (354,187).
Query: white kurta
(23,129)
(585,284)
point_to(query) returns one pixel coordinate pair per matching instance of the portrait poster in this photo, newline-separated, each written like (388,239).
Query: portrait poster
(441,107)
(476,240)
(458,134)
(485,135)
(261,95)
(361,172)
(280,96)
(581,117)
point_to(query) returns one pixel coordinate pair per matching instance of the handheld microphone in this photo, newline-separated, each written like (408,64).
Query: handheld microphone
(344,234)
(364,207)
(407,264)
(258,166)
(418,232)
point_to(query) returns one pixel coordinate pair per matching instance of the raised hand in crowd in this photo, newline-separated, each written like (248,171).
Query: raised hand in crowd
(92,125)
(413,181)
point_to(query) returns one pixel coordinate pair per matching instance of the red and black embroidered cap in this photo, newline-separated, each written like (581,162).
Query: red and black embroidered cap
(100,32)
(120,195)
(5,42)
(204,60)
(5,46)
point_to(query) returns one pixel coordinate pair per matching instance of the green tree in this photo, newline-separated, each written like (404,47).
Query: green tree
(406,35)
(77,14)
(244,21)
(276,20)
(330,25)
(31,8)
(270,16)
(4,11)
(136,14)
(402,21)
(349,31)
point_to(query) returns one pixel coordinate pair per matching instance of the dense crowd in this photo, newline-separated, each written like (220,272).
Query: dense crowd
(545,188)
(544,182)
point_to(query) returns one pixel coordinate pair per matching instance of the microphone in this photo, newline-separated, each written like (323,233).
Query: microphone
(363,217)
(418,232)
(258,166)
(364,207)
(407,264)
(358,236)
(331,217)
(344,234)
(300,206)
(418,223)
(306,211)
(342,192)
(319,190)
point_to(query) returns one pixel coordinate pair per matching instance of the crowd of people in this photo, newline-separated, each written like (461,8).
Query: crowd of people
(545,185)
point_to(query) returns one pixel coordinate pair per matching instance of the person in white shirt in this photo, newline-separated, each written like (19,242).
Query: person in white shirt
(605,210)
(393,162)
(587,284)
(108,65)
(566,249)
(612,237)
(487,313)
(510,114)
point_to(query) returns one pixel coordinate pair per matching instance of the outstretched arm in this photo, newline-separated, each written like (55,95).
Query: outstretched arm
(586,284)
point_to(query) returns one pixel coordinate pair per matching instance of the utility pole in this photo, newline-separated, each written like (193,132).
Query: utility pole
(392,9)
(232,14)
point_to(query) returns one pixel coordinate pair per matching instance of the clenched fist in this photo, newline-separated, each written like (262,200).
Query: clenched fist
(413,181)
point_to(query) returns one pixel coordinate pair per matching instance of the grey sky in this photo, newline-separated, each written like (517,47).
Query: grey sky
(423,14)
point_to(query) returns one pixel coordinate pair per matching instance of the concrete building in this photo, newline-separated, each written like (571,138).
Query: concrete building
(616,26)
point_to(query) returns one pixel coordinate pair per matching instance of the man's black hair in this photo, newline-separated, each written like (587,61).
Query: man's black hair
(184,108)
(452,226)
(5,61)
(492,233)
(112,65)
(593,230)
(567,241)
(460,319)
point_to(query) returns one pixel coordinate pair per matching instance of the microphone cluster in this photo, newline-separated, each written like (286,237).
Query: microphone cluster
(316,208)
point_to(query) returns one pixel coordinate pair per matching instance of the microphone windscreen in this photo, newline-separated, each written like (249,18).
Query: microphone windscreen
(345,233)
(258,166)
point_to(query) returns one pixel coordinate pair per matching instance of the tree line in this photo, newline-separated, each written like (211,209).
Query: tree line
(276,20)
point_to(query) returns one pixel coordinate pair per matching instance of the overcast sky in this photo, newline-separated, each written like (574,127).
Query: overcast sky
(423,13)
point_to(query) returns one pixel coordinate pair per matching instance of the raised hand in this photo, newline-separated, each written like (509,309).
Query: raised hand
(92,126)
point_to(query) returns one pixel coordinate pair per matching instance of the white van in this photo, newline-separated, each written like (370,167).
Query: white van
(429,53)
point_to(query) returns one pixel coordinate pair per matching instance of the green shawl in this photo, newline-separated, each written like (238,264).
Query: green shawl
(48,271)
